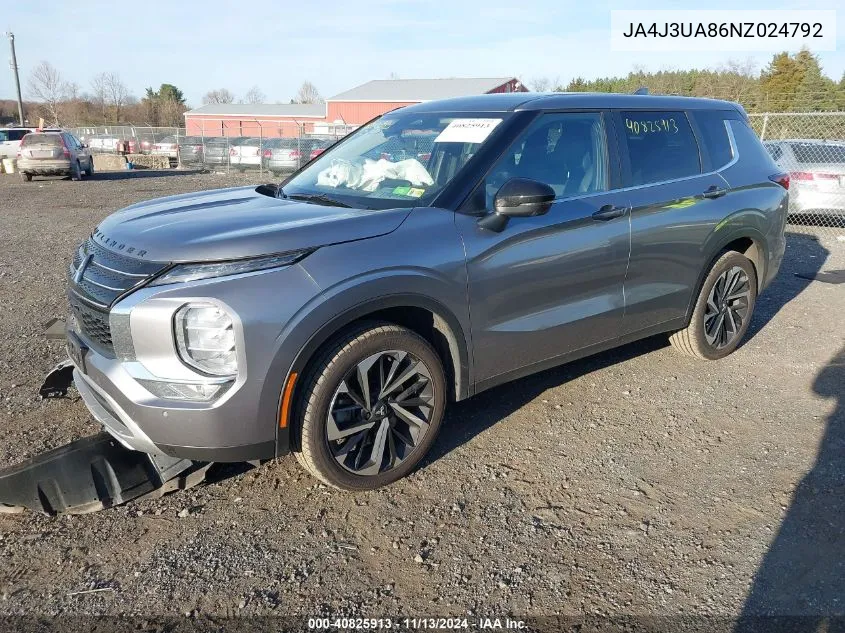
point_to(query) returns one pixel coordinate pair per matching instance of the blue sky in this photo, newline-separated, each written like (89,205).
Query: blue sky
(201,45)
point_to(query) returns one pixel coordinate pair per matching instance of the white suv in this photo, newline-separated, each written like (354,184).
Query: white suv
(10,140)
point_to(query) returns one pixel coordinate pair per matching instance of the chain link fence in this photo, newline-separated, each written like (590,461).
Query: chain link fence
(127,139)
(811,148)
(275,148)
(269,147)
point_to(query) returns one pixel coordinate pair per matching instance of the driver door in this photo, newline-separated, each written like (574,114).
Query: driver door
(549,285)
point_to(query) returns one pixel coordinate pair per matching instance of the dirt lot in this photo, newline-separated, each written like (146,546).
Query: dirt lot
(634,482)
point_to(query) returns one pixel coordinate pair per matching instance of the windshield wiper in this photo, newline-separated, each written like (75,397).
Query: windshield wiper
(318,198)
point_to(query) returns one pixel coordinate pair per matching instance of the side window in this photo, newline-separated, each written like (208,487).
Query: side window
(714,137)
(661,146)
(566,151)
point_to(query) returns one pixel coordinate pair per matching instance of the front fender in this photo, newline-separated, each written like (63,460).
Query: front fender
(323,317)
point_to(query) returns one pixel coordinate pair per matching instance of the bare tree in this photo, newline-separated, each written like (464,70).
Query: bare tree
(46,85)
(116,92)
(308,93)
(540,84)
(98,88)
(221,95)
(254,95)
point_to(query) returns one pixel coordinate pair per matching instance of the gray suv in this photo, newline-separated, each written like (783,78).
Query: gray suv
(336,316)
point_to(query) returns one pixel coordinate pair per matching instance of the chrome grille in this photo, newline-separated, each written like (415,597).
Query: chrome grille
(105,277)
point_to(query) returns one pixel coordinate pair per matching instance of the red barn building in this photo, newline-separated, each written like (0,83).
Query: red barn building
(340,113)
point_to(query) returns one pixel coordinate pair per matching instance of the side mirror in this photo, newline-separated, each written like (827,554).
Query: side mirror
(518,198)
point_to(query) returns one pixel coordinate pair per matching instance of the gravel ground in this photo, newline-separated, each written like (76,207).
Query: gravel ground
(633,482)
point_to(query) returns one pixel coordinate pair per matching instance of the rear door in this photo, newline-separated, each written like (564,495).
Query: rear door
(677,199)
(549,285)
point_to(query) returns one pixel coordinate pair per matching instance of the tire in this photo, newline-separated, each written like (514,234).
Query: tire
(89,171)
(732,275)
(348,460)
(26,177)
(76,171)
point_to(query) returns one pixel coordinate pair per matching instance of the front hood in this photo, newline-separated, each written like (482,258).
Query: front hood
(235,223)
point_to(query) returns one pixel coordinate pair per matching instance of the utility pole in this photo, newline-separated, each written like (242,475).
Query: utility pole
(14,65)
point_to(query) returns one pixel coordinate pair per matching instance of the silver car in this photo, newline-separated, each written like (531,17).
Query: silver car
(284,155)
(817,177)
(338,315)
(54,154)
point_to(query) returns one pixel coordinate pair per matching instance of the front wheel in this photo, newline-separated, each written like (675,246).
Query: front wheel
(26,177)
(370,407)
(89,171)
(723,310)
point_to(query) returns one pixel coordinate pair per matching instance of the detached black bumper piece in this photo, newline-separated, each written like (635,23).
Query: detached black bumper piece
(90,474)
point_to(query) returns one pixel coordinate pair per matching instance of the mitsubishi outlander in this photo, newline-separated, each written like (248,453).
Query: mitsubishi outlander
(440,250)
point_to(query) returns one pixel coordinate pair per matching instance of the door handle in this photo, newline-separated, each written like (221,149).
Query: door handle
(609,211)
(714,192)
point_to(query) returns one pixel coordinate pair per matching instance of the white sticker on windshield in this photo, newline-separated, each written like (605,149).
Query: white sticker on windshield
(467,131)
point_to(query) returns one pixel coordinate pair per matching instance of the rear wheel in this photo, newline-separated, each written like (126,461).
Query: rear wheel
(723,310)
(370,407)
(75,171)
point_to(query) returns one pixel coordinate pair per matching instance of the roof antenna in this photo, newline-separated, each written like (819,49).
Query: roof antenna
(642,90)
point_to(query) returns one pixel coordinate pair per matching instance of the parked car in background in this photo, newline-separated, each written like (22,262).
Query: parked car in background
(53,154)
(10,140)
(320,146)
(146,142)
(282,155)
(337,317)
(191,150)
(247,153)
(817,176)
(167,147)
(216,149)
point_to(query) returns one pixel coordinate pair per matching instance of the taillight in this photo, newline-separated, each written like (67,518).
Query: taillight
(782,179)
(295,153)
(232,152)
(267,153)
(801,175)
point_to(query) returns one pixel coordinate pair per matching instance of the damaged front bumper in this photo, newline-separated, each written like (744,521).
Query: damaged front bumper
(90,474)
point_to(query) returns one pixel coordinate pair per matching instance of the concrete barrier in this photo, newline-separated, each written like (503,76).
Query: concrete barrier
(109,162)
(148,161)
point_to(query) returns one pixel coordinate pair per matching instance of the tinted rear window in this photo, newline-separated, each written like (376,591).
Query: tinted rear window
(714,137)
(661,146)
(818,153)
(54,140)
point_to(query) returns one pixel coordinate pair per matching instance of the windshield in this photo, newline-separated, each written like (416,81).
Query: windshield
(399,160)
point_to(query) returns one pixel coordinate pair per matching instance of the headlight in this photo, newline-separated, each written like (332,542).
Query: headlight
(192,272)
(205,338)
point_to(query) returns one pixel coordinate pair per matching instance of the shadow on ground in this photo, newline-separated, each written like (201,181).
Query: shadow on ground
(800,585)
(142,173)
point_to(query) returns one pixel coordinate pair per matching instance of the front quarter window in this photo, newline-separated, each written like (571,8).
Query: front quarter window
(399,160)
